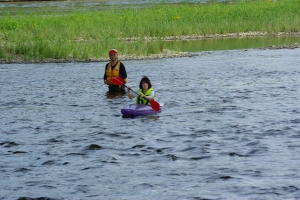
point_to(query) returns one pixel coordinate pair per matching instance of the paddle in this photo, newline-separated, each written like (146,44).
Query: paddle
(119,81)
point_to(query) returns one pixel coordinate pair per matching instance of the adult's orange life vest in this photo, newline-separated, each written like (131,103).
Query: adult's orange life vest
(110,73)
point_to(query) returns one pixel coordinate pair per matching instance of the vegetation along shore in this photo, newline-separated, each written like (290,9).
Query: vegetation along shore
(87,35)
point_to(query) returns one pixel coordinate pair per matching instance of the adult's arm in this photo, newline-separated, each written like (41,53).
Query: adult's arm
(122,73)
(104,77)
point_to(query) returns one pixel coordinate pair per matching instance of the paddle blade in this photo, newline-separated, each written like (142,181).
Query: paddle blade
(117,80)
(155,105)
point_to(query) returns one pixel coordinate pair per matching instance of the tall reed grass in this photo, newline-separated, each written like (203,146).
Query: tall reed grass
(84,35)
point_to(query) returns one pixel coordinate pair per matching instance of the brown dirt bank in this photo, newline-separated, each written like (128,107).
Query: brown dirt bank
(165,54)
(169,53)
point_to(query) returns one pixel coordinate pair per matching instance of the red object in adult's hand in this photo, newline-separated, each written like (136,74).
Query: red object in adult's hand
(119,81)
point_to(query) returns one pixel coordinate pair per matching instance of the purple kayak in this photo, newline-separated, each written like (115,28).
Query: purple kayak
(134,110)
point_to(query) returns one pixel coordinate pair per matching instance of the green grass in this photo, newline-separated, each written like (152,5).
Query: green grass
(81,35)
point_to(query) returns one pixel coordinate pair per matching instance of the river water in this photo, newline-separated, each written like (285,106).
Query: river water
(229,129)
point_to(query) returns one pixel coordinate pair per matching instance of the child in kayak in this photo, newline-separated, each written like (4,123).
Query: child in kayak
(145,92)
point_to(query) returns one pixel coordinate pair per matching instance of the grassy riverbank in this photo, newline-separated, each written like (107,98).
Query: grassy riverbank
(88,35)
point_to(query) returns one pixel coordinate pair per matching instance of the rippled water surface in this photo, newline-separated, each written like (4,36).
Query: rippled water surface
(230,129)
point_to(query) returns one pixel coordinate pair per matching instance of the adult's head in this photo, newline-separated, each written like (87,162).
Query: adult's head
(145,79)
(113,54)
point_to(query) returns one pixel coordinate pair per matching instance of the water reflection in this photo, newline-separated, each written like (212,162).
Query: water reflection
(113,95)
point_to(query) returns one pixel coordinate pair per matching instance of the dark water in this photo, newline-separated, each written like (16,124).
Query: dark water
(230,129)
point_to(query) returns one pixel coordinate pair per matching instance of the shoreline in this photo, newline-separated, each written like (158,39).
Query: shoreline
(218,36)
(168,53)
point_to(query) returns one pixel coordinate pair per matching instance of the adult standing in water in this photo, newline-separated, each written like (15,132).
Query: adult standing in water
(113,69)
